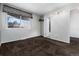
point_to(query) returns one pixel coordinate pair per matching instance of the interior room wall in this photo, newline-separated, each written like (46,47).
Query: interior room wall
(59,26)
(74,26)
(13,34)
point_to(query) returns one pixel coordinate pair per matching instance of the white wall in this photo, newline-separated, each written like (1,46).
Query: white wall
(59,26)
(12,34)
(74,26)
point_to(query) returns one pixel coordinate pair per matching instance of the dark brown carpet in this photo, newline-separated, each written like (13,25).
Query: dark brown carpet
(40,46)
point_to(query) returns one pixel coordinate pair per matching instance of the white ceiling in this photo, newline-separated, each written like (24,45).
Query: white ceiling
(39,8)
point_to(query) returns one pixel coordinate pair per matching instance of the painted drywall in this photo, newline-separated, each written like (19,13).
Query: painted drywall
(59,26)
(13,34)
(74,26)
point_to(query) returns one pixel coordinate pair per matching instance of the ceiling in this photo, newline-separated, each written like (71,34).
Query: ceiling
(39,8)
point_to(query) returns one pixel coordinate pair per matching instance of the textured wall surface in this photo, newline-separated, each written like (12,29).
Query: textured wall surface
(74,26)
(13,34)
(59,26)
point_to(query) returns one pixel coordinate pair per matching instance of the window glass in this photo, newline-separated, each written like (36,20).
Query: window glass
(14,22)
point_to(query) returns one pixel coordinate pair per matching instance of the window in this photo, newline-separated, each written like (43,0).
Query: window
(14,22)
(17,18)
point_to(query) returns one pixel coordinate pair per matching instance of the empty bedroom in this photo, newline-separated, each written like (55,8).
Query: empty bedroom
(39,29)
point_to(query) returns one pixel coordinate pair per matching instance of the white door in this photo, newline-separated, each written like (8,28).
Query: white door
(46,27)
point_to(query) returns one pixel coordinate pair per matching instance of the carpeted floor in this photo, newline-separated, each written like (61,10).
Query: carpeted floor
(40,46)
